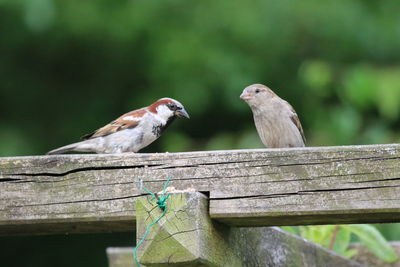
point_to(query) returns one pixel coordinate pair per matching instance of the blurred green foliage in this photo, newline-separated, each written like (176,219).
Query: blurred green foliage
(339,237)
(69,67)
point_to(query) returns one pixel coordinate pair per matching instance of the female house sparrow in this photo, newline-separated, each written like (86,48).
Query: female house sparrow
(276,121)
(130,132)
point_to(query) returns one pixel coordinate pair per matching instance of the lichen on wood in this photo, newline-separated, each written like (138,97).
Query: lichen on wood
(184,235)
(259,187)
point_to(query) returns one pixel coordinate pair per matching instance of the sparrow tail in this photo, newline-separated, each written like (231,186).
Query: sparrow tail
(79,146)
(62,149)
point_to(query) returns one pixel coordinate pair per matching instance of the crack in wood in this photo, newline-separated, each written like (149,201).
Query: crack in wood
(343,175)
(176,233)
(84,170)
(3,180)
(284,180)
(243,183)
(349,189)
(379,180)
(78,201)
(301,192)
(328,161)
(162,166)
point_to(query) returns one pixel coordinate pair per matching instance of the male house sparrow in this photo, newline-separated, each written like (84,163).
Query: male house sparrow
(132,131)
(276,121)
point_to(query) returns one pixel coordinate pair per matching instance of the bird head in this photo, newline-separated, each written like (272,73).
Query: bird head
(168,108)
(256,94)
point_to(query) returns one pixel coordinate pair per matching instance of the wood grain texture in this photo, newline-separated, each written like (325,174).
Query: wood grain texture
(185,236)
(260,246)
(96,193)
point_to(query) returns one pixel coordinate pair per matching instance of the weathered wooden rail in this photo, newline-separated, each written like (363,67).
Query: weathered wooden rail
(264,187)
(96,193)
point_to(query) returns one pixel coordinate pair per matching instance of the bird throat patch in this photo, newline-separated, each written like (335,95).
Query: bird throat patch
(160,128)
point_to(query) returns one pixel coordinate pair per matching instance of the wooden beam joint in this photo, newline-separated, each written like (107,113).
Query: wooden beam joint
(186,236)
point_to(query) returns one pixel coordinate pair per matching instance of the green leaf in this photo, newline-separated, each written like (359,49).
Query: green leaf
(317,75)
(374,241)
(350,253)
(389,93)
(303,231)
(342,242)
(360,84)
(318,234)
(40,14)
(291,229)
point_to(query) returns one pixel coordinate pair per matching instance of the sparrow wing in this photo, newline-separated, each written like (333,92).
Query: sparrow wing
(127,121)
(295,119)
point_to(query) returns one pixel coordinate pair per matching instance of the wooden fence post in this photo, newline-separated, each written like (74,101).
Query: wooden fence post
(185,235)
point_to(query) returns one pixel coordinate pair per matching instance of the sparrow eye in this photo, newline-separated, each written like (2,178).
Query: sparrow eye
(172,107)
(257,91)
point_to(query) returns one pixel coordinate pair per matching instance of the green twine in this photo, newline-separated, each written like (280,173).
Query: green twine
(162,205)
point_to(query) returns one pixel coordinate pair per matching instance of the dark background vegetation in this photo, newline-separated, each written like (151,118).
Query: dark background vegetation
(69,67)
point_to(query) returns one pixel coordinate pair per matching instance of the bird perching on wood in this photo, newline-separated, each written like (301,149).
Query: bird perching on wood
(132,131)
(276,121)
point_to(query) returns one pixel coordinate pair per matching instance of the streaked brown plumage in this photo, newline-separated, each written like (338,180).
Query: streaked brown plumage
(276,121)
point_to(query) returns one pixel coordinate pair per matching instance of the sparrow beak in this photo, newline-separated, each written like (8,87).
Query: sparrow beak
(182,113)
(245,96)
